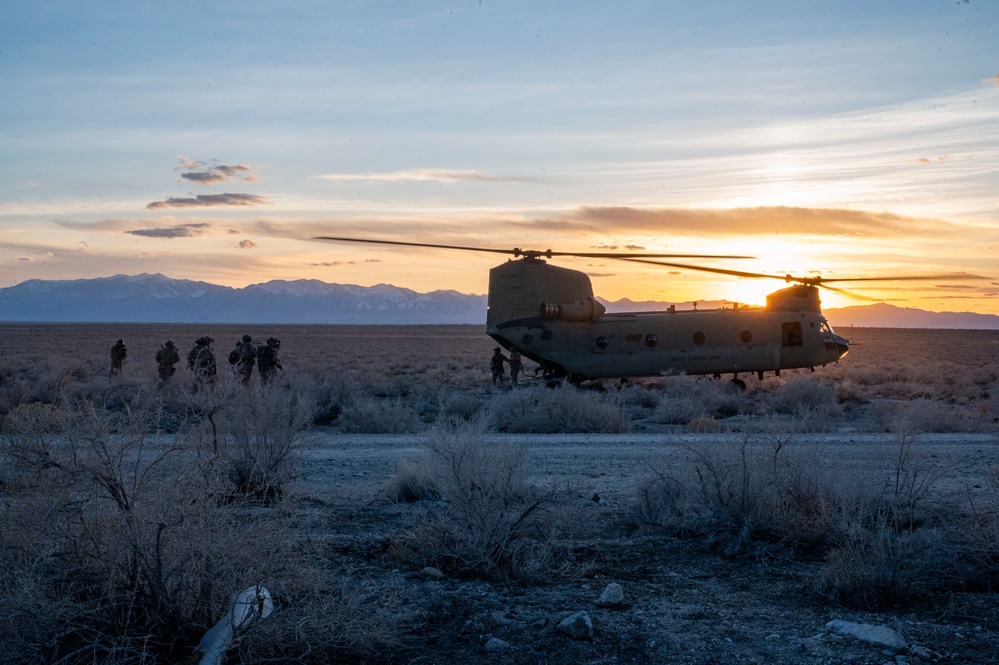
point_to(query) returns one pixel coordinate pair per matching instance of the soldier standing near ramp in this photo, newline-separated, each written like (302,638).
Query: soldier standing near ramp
(268,361)
(166,358)
(515,366)
(496,365)
(118,353)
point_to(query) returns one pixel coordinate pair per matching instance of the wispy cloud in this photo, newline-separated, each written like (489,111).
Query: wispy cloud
(179,231)
(421,175)
(105,225)
(739,221)
(246,244)
(210,201)
(212,173)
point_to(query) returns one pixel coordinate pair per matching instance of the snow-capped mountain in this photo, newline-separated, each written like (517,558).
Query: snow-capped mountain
(157,298)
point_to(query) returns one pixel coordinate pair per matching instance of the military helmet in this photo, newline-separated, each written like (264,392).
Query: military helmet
(247,339)
(201,341)
(169,344)
(274,341)
(121,341)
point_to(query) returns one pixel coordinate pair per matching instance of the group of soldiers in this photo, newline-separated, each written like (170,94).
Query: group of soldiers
(499,372)
(202,363)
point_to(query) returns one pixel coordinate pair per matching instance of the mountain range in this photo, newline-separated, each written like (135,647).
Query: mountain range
(155,298)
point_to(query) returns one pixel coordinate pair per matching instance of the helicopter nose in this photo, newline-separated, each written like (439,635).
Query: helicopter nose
(842,344)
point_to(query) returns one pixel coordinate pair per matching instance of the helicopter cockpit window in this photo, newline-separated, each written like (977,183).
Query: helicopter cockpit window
(746,337)
(602,342)
(699,338)
(791,334)
(651,340)
(825,330)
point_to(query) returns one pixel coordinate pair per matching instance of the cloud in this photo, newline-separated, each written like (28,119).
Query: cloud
(25,259)
(246,244)
(112,225)
(179,231)
(738,221)
(210,201)
(994,80)
(329,264)
(420,175)
(203,173)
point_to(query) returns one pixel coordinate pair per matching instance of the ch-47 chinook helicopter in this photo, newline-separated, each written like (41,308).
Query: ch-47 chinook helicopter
(551,316)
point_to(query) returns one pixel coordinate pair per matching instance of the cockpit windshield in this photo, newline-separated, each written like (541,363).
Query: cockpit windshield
(825,330)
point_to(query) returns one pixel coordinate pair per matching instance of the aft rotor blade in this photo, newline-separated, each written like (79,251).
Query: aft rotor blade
(516,251)
(718,271)
(900,278)
(811,281)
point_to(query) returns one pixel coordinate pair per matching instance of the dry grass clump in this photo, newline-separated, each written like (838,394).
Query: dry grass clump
(883,532)
(562,409)
(379,416)
(116,540)
(686,398)
(123,543)
(490,522)
(760,490)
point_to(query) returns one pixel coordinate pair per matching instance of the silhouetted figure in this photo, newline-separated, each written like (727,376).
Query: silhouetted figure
(166,358)
(201,362)
(496,365)
(515,366)
(242,359)
(118,353)
(267,360)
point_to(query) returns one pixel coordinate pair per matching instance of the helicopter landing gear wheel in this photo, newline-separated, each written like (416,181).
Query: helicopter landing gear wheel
(738,384)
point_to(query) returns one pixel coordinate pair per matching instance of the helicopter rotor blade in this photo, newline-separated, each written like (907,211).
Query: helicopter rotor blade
(900,278)
(812,281)
(516,251)
(719,271)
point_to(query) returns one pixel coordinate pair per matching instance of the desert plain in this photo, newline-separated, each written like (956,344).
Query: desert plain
(400,508)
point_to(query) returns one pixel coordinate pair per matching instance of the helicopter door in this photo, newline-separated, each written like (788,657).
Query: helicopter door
(791,340)
(790,334)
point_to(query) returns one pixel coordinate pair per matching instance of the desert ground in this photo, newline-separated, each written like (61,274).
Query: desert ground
(400,508)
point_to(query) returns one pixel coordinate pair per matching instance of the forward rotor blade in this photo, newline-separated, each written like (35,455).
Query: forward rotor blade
(416,244)
(516,251)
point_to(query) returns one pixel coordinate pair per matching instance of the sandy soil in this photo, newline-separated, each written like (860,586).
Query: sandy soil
(683,602)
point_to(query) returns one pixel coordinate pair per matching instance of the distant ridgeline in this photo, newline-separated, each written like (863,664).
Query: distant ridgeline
(156,298)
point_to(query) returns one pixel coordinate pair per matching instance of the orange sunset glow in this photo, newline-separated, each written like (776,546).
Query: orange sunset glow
(208,151)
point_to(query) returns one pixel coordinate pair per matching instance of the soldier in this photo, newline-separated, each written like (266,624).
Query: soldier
(496,364)
(118,353)
(515,366)
(201,362)
(166,358)
(242,359)
(268,361)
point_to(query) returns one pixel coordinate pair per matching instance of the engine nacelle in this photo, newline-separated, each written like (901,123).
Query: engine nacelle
(577,311)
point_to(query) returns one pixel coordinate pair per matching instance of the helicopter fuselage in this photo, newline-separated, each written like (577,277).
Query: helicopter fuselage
(549,314)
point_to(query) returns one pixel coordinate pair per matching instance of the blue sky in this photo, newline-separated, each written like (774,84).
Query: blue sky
(210,141)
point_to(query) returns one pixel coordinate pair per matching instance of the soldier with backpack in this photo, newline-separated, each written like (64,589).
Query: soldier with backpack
(201,362)
(118,354)
(166,358)
(268,361)
(496,365)
(242,359)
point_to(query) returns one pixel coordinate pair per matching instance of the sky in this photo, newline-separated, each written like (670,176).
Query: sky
(213,141)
